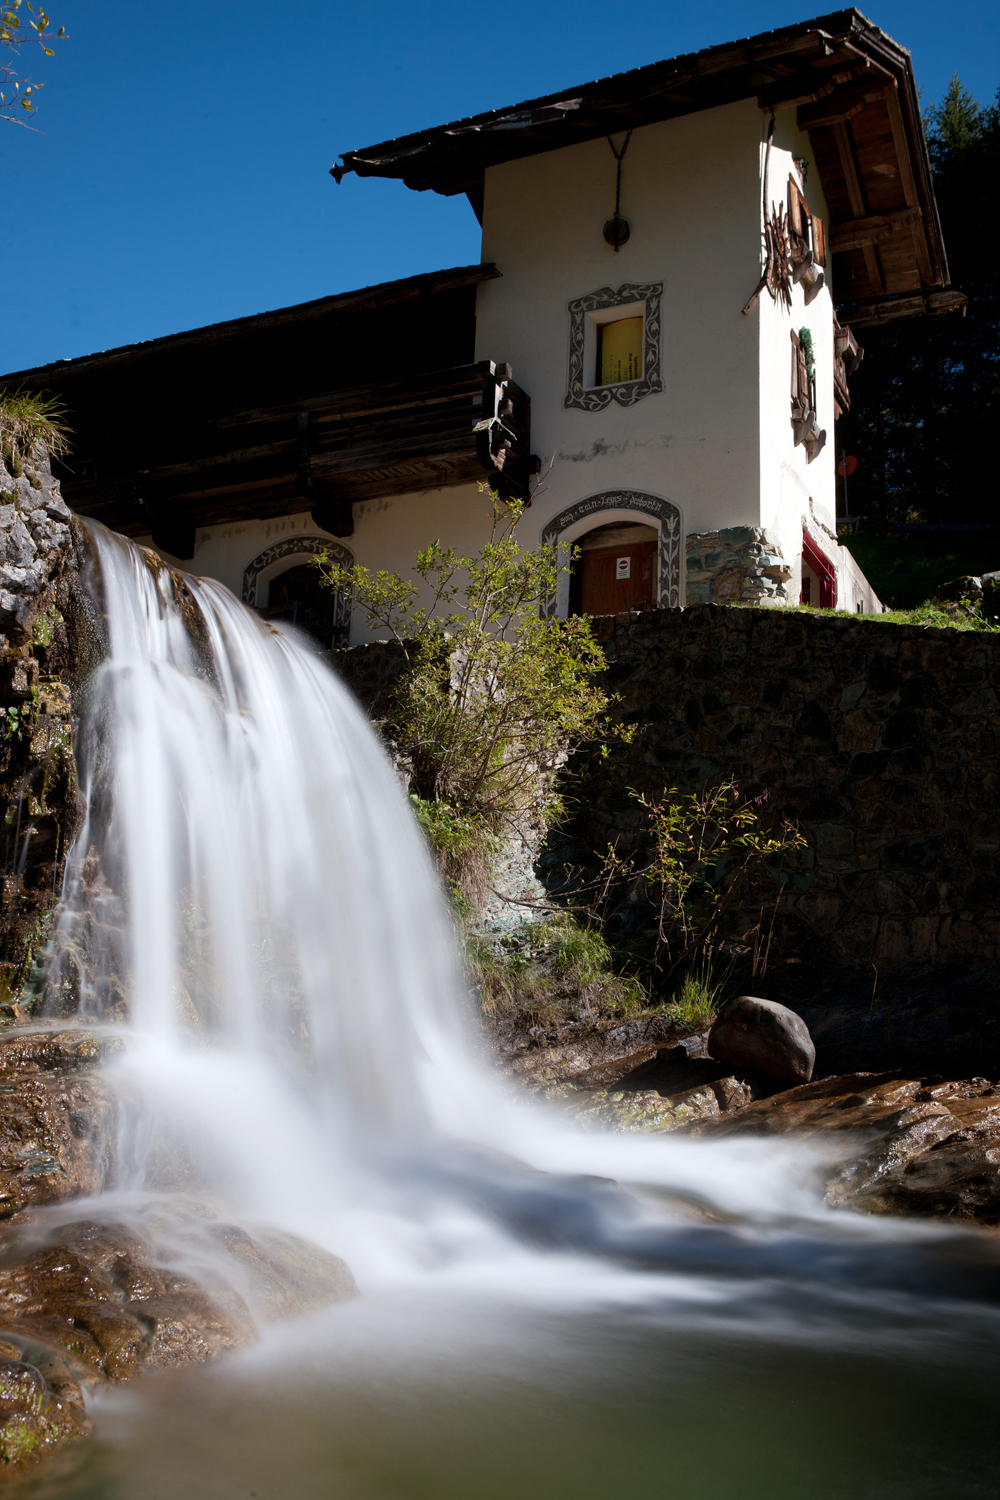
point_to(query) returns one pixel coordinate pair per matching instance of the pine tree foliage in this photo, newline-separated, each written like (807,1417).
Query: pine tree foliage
(925,400)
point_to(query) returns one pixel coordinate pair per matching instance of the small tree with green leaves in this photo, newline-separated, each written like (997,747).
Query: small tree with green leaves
(17,95)
(709,848)
(497,691)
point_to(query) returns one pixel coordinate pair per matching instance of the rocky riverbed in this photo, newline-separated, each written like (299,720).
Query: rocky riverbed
(894,1141)
(91,1298)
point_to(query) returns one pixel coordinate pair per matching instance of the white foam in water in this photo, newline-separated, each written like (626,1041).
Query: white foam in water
(540,1318)
(297,1024)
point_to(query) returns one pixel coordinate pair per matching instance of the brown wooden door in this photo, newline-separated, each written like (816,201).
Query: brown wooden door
(614,579)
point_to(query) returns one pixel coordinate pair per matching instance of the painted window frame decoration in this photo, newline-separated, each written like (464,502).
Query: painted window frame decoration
(638,501)
(598,397)
(299,546)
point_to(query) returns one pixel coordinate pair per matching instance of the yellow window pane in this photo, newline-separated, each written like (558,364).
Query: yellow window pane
(621,351)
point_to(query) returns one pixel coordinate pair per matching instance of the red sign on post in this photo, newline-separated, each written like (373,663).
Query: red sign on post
(847,465)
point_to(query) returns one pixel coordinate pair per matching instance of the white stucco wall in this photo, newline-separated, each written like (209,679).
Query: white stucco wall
(690,191)
(796,495)
(387,534)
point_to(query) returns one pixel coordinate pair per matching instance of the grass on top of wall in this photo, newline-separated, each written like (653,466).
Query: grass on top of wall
(950,618)
(907,569)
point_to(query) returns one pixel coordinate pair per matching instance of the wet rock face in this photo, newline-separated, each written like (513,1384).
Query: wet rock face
(41,1407)
(765,1036)
(92,1292)
(46,633)
(926,1147)
(57,1119)
(88,1303)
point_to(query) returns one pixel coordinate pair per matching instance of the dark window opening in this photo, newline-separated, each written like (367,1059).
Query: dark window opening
(298,597)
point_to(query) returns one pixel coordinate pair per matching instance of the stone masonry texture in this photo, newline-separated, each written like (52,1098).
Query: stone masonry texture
(880,740)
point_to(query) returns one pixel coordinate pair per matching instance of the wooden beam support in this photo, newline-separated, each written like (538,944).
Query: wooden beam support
(844,103)
(909,186)
(859,208)
(856,233)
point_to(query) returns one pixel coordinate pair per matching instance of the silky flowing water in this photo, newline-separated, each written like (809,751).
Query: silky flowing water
(544,1312)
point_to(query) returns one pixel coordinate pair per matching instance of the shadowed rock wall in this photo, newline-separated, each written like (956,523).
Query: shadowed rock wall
(41,628)
(881,740)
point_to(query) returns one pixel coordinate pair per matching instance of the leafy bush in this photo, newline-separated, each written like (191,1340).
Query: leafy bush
(496,693)
(696,1003)
(709,849)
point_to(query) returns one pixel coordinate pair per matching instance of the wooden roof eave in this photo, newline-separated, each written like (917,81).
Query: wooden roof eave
(914,220)
(835,69)
(343,304)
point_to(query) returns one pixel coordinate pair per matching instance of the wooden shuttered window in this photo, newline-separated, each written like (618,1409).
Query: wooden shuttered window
(808,226)
(801,394)
(798,213)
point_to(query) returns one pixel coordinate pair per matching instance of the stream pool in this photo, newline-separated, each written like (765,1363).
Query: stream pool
(659,1390)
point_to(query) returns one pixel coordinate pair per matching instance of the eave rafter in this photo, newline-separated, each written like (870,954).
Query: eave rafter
(854,91)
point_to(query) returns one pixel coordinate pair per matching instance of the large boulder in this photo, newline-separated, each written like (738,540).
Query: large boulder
(991,595)
(764,1036)
(959,590)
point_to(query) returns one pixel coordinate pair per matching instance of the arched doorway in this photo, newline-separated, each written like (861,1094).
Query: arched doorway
(282,584)
(618,511)
(615,570)
(298,597)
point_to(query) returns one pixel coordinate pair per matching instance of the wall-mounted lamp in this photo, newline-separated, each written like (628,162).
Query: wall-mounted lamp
(616,230)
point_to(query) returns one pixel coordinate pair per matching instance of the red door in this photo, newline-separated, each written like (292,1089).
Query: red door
(824,570)
(616,579)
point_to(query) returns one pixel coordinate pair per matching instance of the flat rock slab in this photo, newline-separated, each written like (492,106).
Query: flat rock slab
(920,1146)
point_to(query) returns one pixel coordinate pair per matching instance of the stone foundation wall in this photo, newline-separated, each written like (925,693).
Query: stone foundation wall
(880,739)
(738,565)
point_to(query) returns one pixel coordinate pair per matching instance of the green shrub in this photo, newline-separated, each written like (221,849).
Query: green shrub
(496,692)
(696,1002)
(552,974)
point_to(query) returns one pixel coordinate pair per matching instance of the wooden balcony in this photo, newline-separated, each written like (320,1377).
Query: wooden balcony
(324,452)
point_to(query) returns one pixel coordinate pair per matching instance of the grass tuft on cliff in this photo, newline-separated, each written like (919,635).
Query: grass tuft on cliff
(27,419)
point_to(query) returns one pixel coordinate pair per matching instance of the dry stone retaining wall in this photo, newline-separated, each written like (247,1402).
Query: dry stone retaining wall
(880,739)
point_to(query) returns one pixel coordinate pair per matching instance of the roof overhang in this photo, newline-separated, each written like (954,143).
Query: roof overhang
(853,89)
(241,330)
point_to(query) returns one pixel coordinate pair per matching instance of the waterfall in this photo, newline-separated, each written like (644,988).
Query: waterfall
(250,907)
(250,897)
(251,919)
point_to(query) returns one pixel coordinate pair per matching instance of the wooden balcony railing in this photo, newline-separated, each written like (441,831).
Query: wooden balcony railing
(324,452)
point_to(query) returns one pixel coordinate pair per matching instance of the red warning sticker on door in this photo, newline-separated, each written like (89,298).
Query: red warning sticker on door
(623,567)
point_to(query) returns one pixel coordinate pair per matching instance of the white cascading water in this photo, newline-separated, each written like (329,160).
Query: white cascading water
(250,915)
(250,905)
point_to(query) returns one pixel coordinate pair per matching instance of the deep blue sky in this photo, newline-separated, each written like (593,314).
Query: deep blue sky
(181,176)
